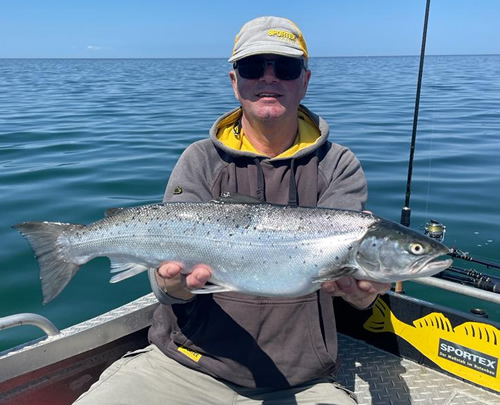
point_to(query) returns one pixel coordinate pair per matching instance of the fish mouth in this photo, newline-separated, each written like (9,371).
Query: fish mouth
(430,266)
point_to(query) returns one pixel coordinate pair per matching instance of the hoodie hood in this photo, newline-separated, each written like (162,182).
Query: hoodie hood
(313,132)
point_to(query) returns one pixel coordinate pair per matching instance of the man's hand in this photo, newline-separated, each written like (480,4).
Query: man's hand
(170,279)
(360,293)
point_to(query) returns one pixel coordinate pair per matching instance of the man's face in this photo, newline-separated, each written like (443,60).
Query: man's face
(269,98)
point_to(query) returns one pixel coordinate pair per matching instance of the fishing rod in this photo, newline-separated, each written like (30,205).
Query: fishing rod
(434,229)
(454,252)
(406,211)
(470,277)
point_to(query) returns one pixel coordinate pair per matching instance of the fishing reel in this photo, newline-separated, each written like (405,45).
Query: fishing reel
(435,230)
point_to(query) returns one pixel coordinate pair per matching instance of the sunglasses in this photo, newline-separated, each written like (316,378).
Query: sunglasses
(284,68)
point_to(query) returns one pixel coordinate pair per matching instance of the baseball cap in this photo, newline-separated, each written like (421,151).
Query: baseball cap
(273,35)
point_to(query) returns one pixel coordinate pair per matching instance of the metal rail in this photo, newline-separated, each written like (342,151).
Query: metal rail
(81,338)
(29,319)
(459,288)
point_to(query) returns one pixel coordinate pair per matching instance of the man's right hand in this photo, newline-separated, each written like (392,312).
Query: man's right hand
(169,278)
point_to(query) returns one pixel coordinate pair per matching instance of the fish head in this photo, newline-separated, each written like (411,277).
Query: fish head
(390,252)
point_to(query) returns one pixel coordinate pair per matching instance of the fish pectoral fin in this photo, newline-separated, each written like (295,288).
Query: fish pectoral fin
(334,274)
(125,270)
(210,289)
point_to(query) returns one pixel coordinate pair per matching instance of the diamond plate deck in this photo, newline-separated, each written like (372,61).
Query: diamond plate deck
(377,377)
(380,378)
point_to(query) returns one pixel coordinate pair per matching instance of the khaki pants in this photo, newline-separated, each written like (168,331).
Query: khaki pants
(147,376)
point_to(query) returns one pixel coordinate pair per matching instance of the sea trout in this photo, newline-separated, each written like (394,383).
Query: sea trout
(254,248)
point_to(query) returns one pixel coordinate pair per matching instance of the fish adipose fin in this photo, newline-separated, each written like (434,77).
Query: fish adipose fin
(124,270)
(49,243)
(211,289)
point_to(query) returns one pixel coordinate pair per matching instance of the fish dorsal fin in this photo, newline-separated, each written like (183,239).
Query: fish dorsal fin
(434,320)
(481,331)
(235,198)
(113,211)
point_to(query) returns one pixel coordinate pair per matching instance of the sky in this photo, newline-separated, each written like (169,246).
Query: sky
(206,29)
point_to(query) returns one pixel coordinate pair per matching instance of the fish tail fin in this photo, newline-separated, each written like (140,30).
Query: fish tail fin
(380,321)
(48,241)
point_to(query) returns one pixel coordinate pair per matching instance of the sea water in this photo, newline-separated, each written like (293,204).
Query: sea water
(79,136)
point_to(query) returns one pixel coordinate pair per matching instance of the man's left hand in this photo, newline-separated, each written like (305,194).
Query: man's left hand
(360,293)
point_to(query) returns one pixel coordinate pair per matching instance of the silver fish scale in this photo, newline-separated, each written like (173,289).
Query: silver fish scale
(250,247)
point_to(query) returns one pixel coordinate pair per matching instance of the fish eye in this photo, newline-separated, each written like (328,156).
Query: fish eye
(417,249)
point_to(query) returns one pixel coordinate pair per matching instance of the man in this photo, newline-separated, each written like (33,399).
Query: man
(233,348)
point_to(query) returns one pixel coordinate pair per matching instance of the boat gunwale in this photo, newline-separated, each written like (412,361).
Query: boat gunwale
(79,338)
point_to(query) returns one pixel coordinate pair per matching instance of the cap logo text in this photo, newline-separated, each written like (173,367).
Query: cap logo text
(286,35)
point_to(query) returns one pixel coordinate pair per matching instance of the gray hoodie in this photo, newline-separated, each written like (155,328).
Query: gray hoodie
(248,340)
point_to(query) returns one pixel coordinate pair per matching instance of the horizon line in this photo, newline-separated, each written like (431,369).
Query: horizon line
(219,57)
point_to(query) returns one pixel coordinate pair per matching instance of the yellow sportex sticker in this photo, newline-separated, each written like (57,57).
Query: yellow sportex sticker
(470,350)
(195,356)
